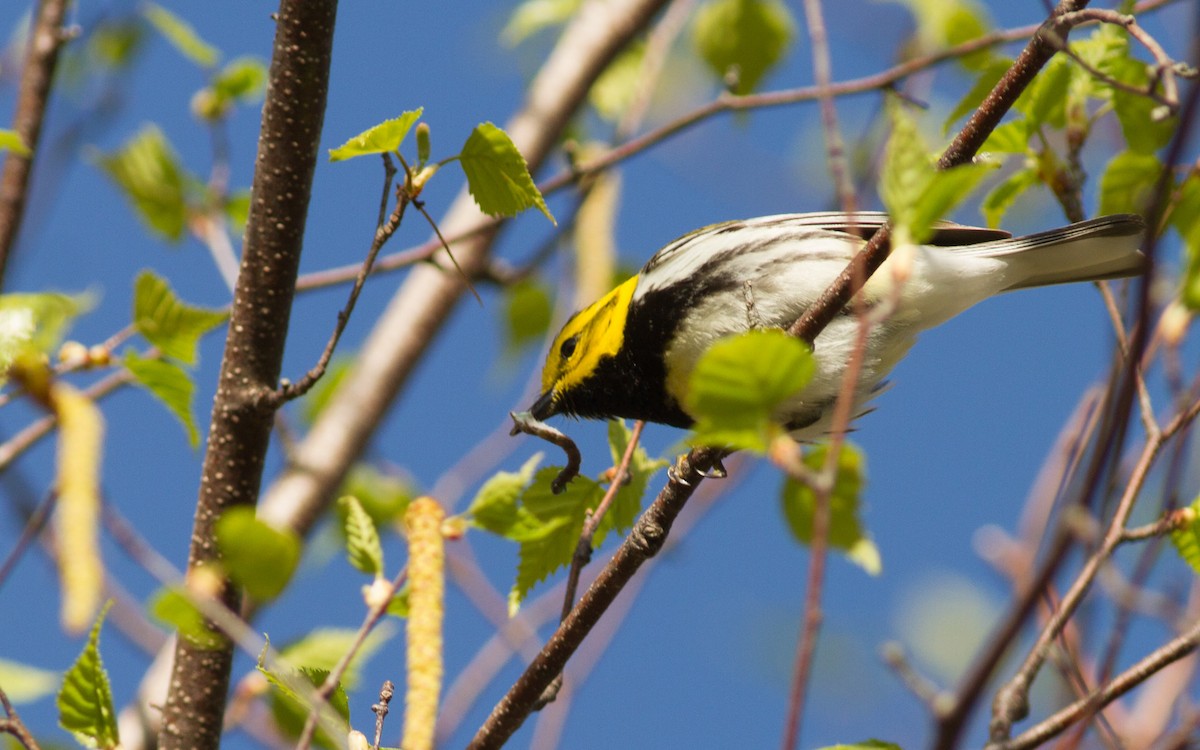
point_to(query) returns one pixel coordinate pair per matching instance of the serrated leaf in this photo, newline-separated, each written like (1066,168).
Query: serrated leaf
(85,702)
(907,169)
(164,320)
(36,322)
(846,532)
(551,544)
(290,706)
(497,175)
(527,313)
(170,384)
(362,540)
(148,172)
(988,76)
(628,501)
(384,496)
(24,683)
(323,648)
(172,607)
(739,382)
(1127,182)
(181,35)
(1187,539)
(1142,131)
(533,16)
(1000,198)
(1044,101)
(10,140)
(750,36)
(255,554)
(77,515)
(385,137)
(495,505)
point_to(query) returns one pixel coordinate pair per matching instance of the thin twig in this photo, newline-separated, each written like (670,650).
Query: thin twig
(13,724)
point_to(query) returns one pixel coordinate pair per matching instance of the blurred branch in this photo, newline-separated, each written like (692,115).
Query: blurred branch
(242,416)
(45,40)
(13,725)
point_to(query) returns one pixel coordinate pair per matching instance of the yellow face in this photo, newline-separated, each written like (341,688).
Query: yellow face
(589,336)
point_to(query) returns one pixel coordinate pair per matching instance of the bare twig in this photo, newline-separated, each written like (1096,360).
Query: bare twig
(13,725)
(380,709)
(46,38)
(524,422)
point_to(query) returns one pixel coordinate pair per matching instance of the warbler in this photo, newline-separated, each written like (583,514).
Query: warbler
(631,353)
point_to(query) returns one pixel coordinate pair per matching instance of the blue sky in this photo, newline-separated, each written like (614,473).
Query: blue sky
(703,657)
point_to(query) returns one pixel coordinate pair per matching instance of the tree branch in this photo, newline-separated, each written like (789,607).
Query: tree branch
(241,420)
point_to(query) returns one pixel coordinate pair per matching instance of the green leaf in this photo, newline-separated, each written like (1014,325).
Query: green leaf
(845,530)
(172,606)
(362,539)
(147,171)
(1128,182)
(613,91)
(1187,538)
(984,83)
(241,80)
(1044,101)
(1185,218)
(10,140)
(963,22)
(533,16)
(1008,138)
(945,190)
(1000,198)
(170,384)
(181,35)
(495,506)
(556,522)
(112,44)
(255,554)
(385,137)
(85,702)
(384,496)
(167,322)
(24,683)
(750,36)
(527,313)
(323,648)
(497,175)
(1135,112)
(237,209)
(290,705)
(628,501)
(907,168)
(37,320)
(740,381)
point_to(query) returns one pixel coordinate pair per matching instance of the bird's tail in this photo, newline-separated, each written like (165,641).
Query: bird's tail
(1102,248)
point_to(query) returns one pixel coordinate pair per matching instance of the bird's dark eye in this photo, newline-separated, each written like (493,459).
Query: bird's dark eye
(568,347)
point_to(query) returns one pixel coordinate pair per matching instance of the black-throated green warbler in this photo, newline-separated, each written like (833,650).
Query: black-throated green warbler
(630,354)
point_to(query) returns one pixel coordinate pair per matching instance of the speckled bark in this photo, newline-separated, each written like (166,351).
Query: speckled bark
(241,423)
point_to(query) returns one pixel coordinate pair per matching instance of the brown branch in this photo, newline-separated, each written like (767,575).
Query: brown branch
(13,724)
(46,38)
(240,430)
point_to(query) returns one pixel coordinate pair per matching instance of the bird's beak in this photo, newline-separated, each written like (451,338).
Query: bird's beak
(543,408)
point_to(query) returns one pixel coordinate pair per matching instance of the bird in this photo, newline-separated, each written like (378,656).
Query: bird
(631,353)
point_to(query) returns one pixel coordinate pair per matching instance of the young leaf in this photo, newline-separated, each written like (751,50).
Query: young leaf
(362,540)
(323,648)
(80,441)
(614,90)
(290,705)
(85,702)
(181,35)
(740,381)
(944,191)
(147,170)
(241,80)
(255,554)
(527,313)
(1185,218)
(384,496)
(1127,182)
(997,202)
(170,384)
(984,83)
(1143,132)
(495,505)
(750,36)
(497,175)
(173,607)
(1008,138)
(1044,101)
(628,501)
(24,683)
(845,530)
(532,16)
(167,322)
(37,320)
(549,545)
(385,137)
(11,141)
(1187,539)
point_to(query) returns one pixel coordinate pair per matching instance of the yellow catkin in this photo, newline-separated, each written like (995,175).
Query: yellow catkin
(80,438)
(426,581)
